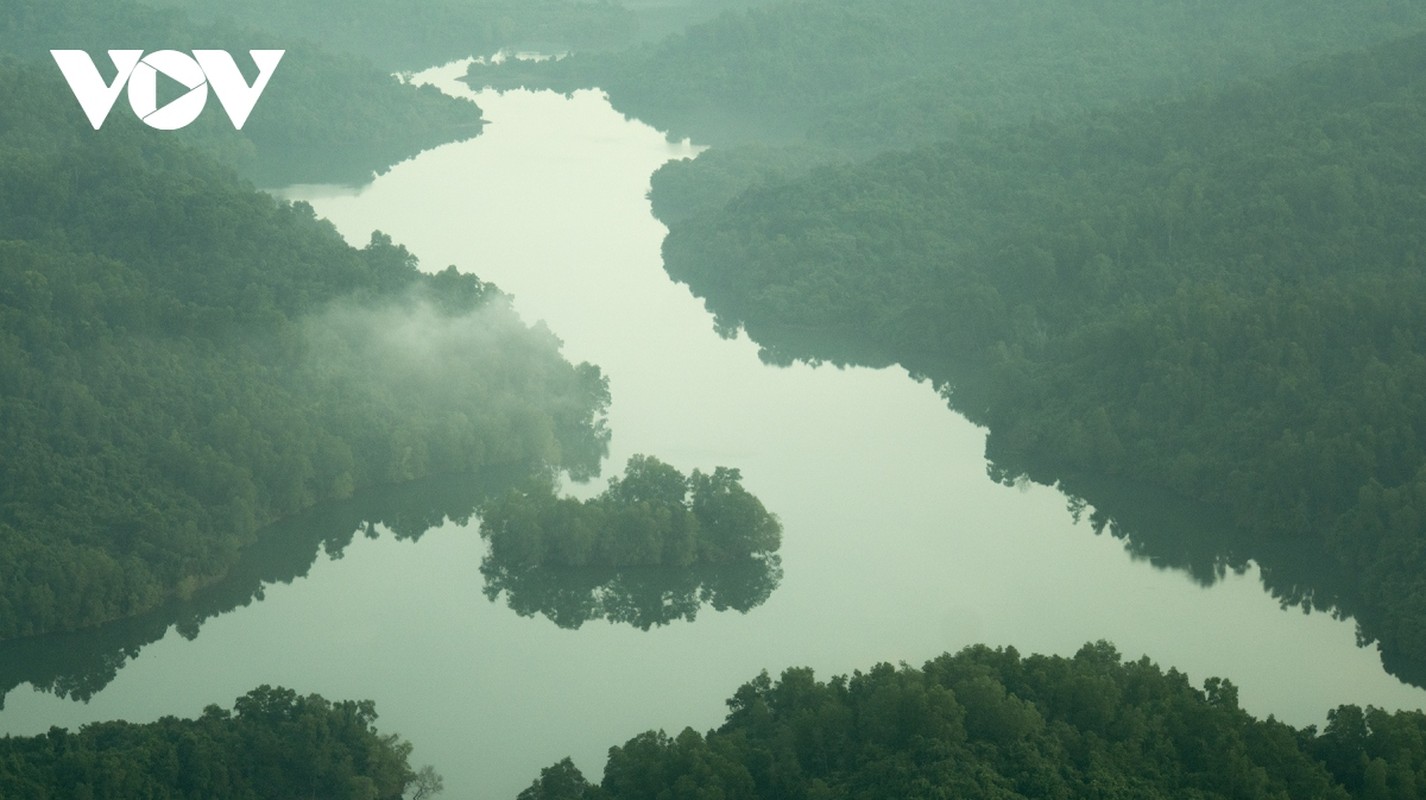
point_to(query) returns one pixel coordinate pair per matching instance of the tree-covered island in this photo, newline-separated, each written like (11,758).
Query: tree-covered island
(654,547)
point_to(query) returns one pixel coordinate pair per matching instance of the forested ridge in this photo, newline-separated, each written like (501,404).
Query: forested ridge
(408,36)
(1220,296)
(827,80)
(184,360)
(325,117)
(274,743)
(991,723)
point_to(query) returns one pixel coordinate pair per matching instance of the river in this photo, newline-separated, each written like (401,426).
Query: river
(896,545)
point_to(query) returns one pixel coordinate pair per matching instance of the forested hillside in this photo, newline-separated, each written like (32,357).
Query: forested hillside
(877,74)
(184,360)
(325,117)
(274,743)
(825,80)
(409,36)
(989,723)
(1222,297)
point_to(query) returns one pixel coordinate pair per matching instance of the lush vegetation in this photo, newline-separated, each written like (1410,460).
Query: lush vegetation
(415,35)
(652,516)
(989,723)
(824,80)
(1222,297)
(184,360)
(874,74)
(273,744)
(654,547)
(324,117)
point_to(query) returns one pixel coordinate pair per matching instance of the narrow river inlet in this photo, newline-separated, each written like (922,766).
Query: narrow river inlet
(897,547)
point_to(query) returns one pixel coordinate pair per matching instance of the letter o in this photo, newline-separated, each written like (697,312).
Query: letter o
(143,90)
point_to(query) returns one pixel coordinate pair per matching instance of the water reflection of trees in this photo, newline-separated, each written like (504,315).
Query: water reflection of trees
(645,596)
(80,664)
(654,547)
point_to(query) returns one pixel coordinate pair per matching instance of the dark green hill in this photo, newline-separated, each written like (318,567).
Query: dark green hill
(1220,297)
(184,360)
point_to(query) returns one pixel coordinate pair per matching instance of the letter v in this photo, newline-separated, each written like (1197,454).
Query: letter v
(237,97)
(95,96)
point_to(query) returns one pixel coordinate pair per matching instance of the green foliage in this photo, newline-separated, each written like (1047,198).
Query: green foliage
(1220,297)
(988,723)
(420,33)
(652,516)
(652,548)
(184,360)
(828,79)
(273,744)
(882,74)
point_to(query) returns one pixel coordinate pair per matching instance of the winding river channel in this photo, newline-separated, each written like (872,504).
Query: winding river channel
(897,547)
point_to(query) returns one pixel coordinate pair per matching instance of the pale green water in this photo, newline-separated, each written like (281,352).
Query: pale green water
(897,547)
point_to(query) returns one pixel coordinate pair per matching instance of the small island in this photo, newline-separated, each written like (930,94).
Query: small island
(653,516)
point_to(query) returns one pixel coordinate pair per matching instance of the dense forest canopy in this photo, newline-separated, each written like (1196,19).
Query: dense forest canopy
(1221,296)
(654,547)
(829,79)
(326,116)
(413,35)
(876,74)
(990,723)
(184,360)
(274,743)
(653,516)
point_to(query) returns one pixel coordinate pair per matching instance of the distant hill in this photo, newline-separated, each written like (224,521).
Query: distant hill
(870,75)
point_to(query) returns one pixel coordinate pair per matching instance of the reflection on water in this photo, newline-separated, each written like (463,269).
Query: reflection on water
(78,665)
(644,597)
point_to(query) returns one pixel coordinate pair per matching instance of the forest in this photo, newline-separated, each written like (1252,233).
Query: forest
(990,723)
(273,743)
(652,516)
(782,87)
(652,548)
(184,361)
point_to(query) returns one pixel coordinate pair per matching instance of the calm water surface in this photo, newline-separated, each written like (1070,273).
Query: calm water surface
(896,545)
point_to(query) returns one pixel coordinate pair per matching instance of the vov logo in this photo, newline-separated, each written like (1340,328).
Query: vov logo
(205,68)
